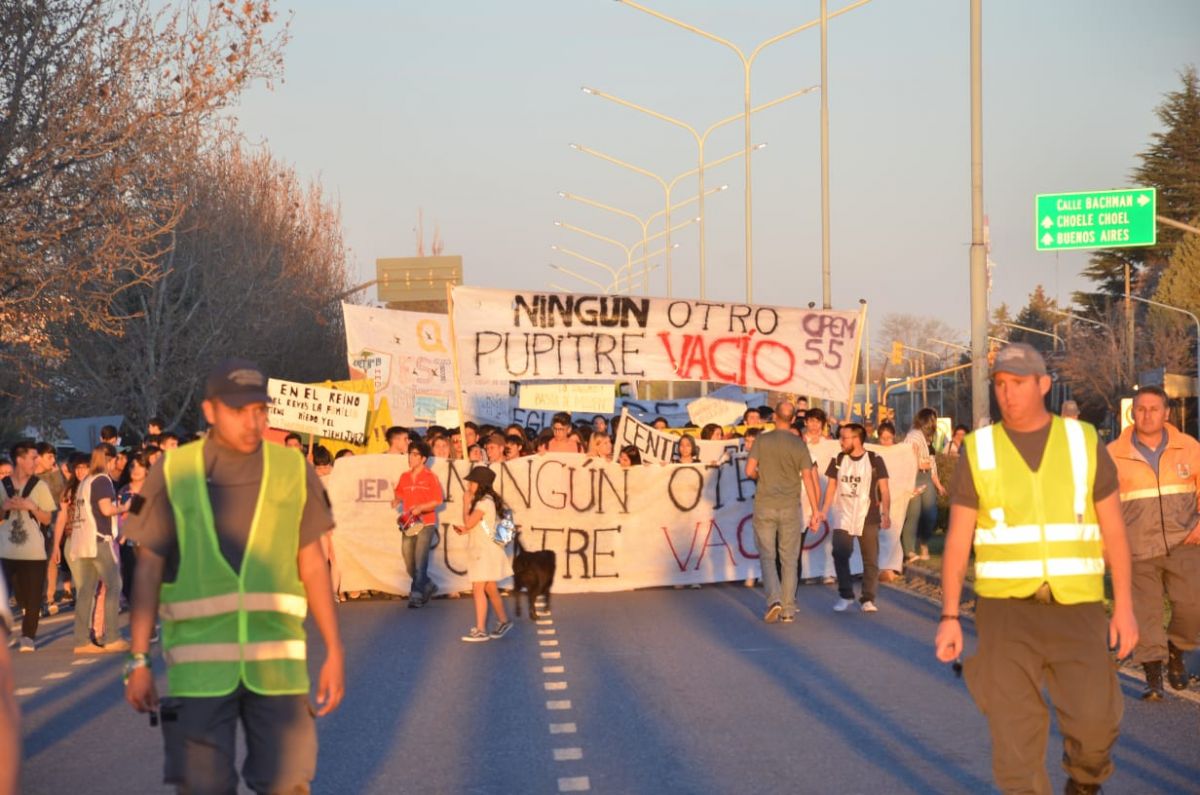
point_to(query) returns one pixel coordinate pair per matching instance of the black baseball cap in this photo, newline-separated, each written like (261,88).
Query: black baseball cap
(237,383)
(482,476)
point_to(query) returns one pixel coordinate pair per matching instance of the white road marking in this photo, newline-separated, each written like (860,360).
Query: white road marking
(85,661)
(26,691)
(553,669)
(545,622)
(563,728)
(558,705)
(575,784)
(57,675)
(547,631)
(555,685)
(547,643)
(551,655)
(567,754)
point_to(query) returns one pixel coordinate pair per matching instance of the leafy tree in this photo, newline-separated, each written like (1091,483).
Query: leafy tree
(1172,165)
(1172,340)
(1038,314)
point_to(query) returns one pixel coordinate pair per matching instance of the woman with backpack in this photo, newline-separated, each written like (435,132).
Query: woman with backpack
(487,561)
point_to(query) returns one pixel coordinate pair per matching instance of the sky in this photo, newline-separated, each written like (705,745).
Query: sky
(465,109)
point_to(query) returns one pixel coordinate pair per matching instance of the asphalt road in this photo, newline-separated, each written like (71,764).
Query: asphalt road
(644,692)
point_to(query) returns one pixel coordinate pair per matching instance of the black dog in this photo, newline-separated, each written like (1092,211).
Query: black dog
(533,572)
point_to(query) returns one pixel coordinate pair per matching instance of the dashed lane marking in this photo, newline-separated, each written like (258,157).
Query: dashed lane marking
(574,784)
(563,728)
(547,642)
(545,622)
(547,631)
(558,705)
(57,675)
(553,669)
(567,754)
(555,685)
(551,655)
(26,691)
(85,661)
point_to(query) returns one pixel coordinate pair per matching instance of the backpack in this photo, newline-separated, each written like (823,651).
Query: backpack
(11,490)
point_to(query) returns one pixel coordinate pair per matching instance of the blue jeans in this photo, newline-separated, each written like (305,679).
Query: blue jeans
(778,533)
(88,573)
(921,518)
(416,562)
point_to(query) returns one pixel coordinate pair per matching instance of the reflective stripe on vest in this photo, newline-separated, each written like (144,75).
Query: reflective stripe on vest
(223,628)
(290,604)
(236,652)
(1142,494)
(1051,538)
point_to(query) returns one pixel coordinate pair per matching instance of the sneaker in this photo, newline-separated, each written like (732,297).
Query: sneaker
(114,646)
(27,644)
(788,618)
(841,604)
(869,607)
(501,630)
(476,635)
(772,614)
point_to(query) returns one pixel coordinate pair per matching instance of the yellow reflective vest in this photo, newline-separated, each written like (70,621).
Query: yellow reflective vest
(221,628)
(1037,527)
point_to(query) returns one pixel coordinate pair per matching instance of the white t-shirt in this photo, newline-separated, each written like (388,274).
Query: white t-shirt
(853,493)
(20,535)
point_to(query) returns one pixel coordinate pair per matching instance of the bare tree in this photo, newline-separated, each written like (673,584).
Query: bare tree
(101,105)
(255,268)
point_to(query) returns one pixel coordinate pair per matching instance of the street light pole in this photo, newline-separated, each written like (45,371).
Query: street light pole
(979,310)
(747,65)
(645,223)
(701,139)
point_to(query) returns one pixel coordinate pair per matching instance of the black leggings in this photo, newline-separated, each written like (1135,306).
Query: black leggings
(27,582)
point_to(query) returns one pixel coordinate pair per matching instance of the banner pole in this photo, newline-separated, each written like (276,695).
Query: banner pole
(862,324)
(458,393)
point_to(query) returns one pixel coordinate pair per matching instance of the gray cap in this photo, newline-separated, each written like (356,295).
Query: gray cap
(1019,358)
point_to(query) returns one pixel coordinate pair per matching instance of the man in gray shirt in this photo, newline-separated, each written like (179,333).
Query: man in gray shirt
(782,468)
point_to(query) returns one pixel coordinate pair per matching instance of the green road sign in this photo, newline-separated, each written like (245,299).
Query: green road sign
(1099,219)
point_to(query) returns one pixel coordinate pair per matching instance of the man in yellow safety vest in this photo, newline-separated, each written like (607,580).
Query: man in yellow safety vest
(230,559)
(1038,497)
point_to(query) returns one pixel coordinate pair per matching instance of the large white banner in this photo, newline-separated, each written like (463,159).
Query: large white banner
(508,335)
(612,529)
(407,355)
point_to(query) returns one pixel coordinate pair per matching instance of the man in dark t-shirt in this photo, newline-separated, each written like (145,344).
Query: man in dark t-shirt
(257,518)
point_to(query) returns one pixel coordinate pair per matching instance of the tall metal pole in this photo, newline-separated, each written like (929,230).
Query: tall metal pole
(1129,329)
(826,298)
(979,309)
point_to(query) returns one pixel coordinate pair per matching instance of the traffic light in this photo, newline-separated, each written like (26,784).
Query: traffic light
(897,352)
